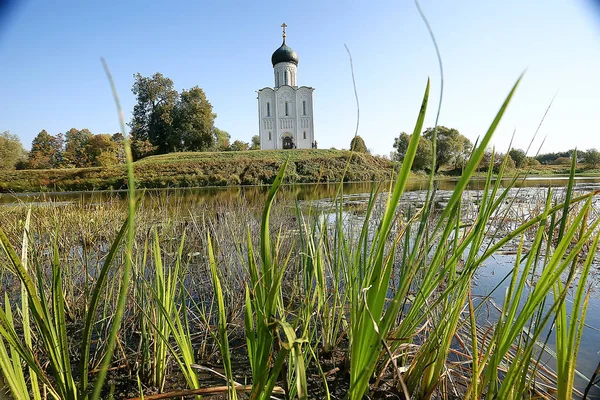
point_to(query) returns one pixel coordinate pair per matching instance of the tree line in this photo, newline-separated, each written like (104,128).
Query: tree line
(166,121)
(163,121)
(453,151)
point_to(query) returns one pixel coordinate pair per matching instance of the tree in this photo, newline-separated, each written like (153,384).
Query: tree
(358,145)
(167,120)
(238,145)
(451,146)
(77,144)
(401,146)
(46,151)
(142,148)
(464,153)
(423,156)
(119,140)
(152,118)
(592,158)
(11,150)
(255,143)
(518,156)
(103,151)
(193,121)
(221,140)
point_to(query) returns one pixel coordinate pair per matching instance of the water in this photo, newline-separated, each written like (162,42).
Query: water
(256,194)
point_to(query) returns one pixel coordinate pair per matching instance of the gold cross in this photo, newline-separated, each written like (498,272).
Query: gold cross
(284,26)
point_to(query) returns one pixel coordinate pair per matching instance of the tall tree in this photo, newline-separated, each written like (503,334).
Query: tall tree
(358,145)
(193,121)
(77,148)
(451,146)
(153,112)
(255,143)
(46,151)
(11,150)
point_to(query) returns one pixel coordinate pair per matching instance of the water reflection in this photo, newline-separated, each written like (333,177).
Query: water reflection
(255,195)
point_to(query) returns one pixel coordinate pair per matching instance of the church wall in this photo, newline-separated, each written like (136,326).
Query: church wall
(267,118)
(299,120)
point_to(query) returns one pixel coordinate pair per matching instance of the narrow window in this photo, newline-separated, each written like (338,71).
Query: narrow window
(304,108)
(285,75)
(268,109)
(269,135)
(304,135)
(287,109)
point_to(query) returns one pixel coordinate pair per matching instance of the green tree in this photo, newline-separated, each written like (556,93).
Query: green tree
(103,150)
(11,150)
(142,148)
(255,143)
(194,121)
(592,158)
(423,156)
(452,148)
(152,120)
(518,156)
(401,145)
(77,148)
(239,145)
(221,140)
(119,140)
(46,151)
(358,145)
(168,121)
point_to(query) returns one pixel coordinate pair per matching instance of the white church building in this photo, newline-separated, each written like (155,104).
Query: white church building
(285,111)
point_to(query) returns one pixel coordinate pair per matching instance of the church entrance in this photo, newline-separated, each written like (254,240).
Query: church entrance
(288,142)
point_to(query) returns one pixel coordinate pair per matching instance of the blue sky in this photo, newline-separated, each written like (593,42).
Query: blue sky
(51,77)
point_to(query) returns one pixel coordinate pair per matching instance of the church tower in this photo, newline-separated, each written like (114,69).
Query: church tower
(285,111)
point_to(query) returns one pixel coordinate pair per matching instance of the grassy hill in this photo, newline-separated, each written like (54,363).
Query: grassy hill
(206,169)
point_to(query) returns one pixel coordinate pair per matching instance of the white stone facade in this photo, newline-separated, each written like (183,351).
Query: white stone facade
(285,112)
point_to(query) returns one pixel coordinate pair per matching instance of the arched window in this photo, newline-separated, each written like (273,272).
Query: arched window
(269,135)
(287,109)
(285,75)
(304,135)
(268,109)
(304,108)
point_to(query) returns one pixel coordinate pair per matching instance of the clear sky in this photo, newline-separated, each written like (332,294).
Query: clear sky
(51,77)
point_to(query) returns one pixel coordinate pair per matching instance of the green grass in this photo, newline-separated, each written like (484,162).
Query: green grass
(258,167)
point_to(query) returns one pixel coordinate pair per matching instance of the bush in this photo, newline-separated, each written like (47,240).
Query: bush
(562,161)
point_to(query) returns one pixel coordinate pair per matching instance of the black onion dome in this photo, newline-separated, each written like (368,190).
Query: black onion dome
(284,54)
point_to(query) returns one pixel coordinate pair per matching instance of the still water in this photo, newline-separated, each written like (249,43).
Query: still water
(301,192)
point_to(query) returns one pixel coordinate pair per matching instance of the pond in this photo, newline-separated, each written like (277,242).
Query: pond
(256,194)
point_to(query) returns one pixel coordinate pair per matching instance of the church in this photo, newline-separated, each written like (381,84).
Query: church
(285,111)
